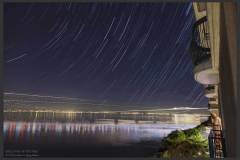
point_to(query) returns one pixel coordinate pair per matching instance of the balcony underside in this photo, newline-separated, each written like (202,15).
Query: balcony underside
(205,74)
(214,110)
(213,106)
(213,102)
(210,94)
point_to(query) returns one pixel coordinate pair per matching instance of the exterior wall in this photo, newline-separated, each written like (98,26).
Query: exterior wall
(213,15)
(228,74)
(222,20)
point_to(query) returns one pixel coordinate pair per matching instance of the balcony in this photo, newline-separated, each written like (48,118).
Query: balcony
(216,141)
(201,54)
(210,91)
(213,108)
(213,101)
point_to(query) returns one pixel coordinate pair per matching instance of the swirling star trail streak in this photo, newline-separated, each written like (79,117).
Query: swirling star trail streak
(133,54)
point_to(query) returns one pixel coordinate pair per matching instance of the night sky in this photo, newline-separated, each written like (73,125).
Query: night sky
(113,53)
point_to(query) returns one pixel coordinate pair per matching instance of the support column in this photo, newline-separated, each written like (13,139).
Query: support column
(227,69)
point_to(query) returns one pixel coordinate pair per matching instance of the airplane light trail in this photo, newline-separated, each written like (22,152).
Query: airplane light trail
(42,96)
(158,108)
(17,58)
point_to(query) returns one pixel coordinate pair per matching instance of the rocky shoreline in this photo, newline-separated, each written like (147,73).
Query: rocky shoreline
(189,143)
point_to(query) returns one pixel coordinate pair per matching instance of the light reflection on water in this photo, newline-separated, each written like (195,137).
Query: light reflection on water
(90,135)
(121,132)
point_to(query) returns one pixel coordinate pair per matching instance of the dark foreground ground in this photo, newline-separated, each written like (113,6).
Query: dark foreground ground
(141,149)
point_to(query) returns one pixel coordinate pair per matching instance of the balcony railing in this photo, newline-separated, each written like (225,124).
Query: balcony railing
(200,45)
(216,143)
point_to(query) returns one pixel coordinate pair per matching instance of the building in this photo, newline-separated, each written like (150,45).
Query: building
(214,55)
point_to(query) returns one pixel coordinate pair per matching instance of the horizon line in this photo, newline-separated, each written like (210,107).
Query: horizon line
(74,98)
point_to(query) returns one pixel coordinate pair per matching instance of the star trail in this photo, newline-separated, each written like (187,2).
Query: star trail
(112,53)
